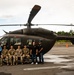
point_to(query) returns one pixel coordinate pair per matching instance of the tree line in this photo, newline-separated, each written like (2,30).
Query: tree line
(70,33)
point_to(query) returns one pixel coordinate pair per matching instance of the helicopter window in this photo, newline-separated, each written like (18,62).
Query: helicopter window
(11,41)
(15,41)
(29,41)
(40,40)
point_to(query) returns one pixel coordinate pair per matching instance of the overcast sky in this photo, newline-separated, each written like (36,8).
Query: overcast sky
(52,12)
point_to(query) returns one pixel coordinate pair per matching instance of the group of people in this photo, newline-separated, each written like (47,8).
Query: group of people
(11,56)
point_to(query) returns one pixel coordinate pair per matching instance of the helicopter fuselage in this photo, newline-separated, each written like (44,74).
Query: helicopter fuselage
(47,37)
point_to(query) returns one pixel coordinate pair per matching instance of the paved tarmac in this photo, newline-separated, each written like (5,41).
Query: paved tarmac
(58,61)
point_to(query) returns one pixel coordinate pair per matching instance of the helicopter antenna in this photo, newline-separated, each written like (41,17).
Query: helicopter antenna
(33,12)
(5,32)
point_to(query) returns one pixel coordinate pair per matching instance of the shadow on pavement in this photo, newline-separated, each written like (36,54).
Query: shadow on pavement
(2,73)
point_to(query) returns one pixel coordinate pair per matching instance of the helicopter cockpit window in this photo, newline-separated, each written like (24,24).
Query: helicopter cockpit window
(4,41)
(15,41)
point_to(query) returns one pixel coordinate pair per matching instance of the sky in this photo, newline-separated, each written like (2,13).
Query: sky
(52,12)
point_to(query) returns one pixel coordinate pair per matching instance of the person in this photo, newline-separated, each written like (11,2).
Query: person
(18,54)
(25,53)
(34,52)
(40,52)
(11,55)
(0,50)
(4,55)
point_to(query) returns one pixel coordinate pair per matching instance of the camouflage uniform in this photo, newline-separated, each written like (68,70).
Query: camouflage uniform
(18,54)
(11,54)
(25,53)
(4,55)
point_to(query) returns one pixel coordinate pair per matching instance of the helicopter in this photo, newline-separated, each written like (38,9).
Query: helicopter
(27,35)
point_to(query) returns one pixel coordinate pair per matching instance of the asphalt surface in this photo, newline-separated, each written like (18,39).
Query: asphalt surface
(58,61)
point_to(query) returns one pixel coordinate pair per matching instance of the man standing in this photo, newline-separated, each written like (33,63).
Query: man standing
(40,52)
(34,52)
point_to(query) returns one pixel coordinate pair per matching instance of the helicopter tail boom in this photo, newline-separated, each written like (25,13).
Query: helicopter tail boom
(71,38)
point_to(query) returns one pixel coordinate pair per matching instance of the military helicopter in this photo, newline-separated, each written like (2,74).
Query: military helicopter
(27,35)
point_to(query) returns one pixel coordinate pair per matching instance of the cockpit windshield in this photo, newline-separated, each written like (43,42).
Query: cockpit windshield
(3,41)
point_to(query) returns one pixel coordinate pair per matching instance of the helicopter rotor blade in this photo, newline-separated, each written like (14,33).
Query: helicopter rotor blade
(54,24)
(33,12)
(10,25)
(36,24)
(14,25)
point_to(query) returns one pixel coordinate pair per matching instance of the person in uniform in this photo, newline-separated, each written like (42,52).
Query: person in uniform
(11,55)
(34,52)
(25,52)
(40,52)
(4,55)
(18,54)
